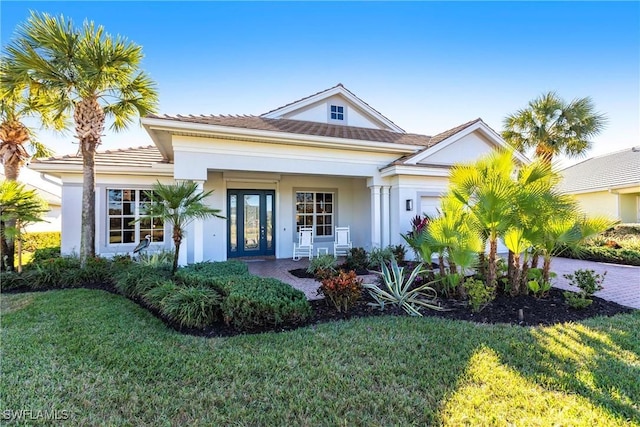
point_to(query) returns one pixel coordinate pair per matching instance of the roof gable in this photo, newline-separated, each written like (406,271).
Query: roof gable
(336,105)
(463,143)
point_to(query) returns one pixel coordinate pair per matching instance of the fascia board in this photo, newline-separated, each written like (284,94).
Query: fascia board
(413,170)
(278,137)
(60,169)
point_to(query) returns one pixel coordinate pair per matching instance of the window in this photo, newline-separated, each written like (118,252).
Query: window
(315,210)
(126,206)
(337,112)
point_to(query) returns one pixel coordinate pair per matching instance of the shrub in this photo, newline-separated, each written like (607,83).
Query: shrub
(156,296)
(259,301)
(589,283)
(12,280)
(536,284)
(222,284)
(399,252)
(626,256)
(379,257)
(136,280)
(45,253)
(40,240)
(357,259)
(61,272)
(223,268)
(192,307)
(479,294)
(343,290)
(159,259)
(399,291)
(323,266)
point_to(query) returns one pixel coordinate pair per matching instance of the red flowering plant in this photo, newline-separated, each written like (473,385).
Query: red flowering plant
(343,290)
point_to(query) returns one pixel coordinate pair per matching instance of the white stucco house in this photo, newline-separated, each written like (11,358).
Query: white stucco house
(325,160)
(607,185)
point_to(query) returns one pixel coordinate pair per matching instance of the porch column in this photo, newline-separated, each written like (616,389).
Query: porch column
(375,216)
(198,233)
(385,216)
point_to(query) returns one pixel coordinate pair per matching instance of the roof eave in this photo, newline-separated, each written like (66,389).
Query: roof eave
(168,125)
(57,169)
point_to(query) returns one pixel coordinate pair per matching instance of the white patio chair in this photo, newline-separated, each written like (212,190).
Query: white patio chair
(304,247)
(342,244)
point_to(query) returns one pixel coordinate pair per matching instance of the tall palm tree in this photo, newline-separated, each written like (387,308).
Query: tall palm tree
(85,72)
(553,126)
(178,205)
(18,206)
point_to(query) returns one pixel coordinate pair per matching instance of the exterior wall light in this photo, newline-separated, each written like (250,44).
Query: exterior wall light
(409,204)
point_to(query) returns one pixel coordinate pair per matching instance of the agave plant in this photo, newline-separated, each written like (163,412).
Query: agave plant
(398,290)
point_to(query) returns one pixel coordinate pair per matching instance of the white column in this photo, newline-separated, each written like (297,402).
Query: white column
(184,248)
(198,233)
(375,216)
(385,216)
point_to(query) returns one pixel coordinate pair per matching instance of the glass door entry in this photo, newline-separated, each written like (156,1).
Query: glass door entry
(251,223)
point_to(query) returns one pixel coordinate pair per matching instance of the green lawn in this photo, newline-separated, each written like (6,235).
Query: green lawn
(109,362)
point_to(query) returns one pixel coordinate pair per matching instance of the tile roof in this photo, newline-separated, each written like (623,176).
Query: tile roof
(303,128)
(617,169)
(327,90)
(139,157)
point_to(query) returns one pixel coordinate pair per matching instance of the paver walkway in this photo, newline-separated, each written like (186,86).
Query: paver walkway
(621,285)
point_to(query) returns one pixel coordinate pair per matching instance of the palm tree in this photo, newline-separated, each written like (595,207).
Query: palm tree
(18,206)
(553,127)
(85,72)
(486,190)
(178,205)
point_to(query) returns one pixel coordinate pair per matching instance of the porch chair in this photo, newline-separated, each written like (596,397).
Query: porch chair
(342,244)
(304,247)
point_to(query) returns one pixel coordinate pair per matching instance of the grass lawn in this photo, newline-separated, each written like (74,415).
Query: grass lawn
(109,362)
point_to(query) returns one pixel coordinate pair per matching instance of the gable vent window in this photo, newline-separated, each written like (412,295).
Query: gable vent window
(337,112)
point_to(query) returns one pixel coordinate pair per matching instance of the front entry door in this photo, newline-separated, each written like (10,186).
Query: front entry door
(251,223)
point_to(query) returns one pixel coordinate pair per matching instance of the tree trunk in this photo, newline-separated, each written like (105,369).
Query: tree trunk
(491,270)
(89,120)
(534,260)
(19,255)
(514,278)
(524,281)
(177,241)
(511,269)
(11,173)
(88,227)
(3,247)
(481,264)
(441,265)
(546,268)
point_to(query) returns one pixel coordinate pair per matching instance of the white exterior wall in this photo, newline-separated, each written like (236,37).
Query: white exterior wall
(71,217)
(599,203)
(52,221)
(319,112)
(467,149)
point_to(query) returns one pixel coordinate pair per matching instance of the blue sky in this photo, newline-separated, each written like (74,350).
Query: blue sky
(427,66)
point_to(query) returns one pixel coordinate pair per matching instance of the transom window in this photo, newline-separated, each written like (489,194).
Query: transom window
(337,112)
(315,210)
(126,206)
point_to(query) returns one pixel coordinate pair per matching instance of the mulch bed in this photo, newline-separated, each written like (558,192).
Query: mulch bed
(503,310)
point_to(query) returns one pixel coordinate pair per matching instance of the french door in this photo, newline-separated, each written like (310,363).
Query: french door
(251,223)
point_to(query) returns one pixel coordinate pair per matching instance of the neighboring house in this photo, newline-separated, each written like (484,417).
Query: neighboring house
(50,190)
(323,161)
(607,185)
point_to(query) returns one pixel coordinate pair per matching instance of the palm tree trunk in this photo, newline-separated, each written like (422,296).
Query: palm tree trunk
(89,119)
(3,246)
(441,265)
(491,270)
(514,277)
(88,227)
(546,268)
(511,270)
(524,282)
(176,241)
(534,260)
(11,173)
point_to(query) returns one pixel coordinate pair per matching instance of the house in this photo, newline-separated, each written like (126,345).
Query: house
(607,185)
(326,160)
(48,189)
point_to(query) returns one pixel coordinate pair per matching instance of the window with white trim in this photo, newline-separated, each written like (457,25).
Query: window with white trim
(124,207)
(336,112)
(315,209)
